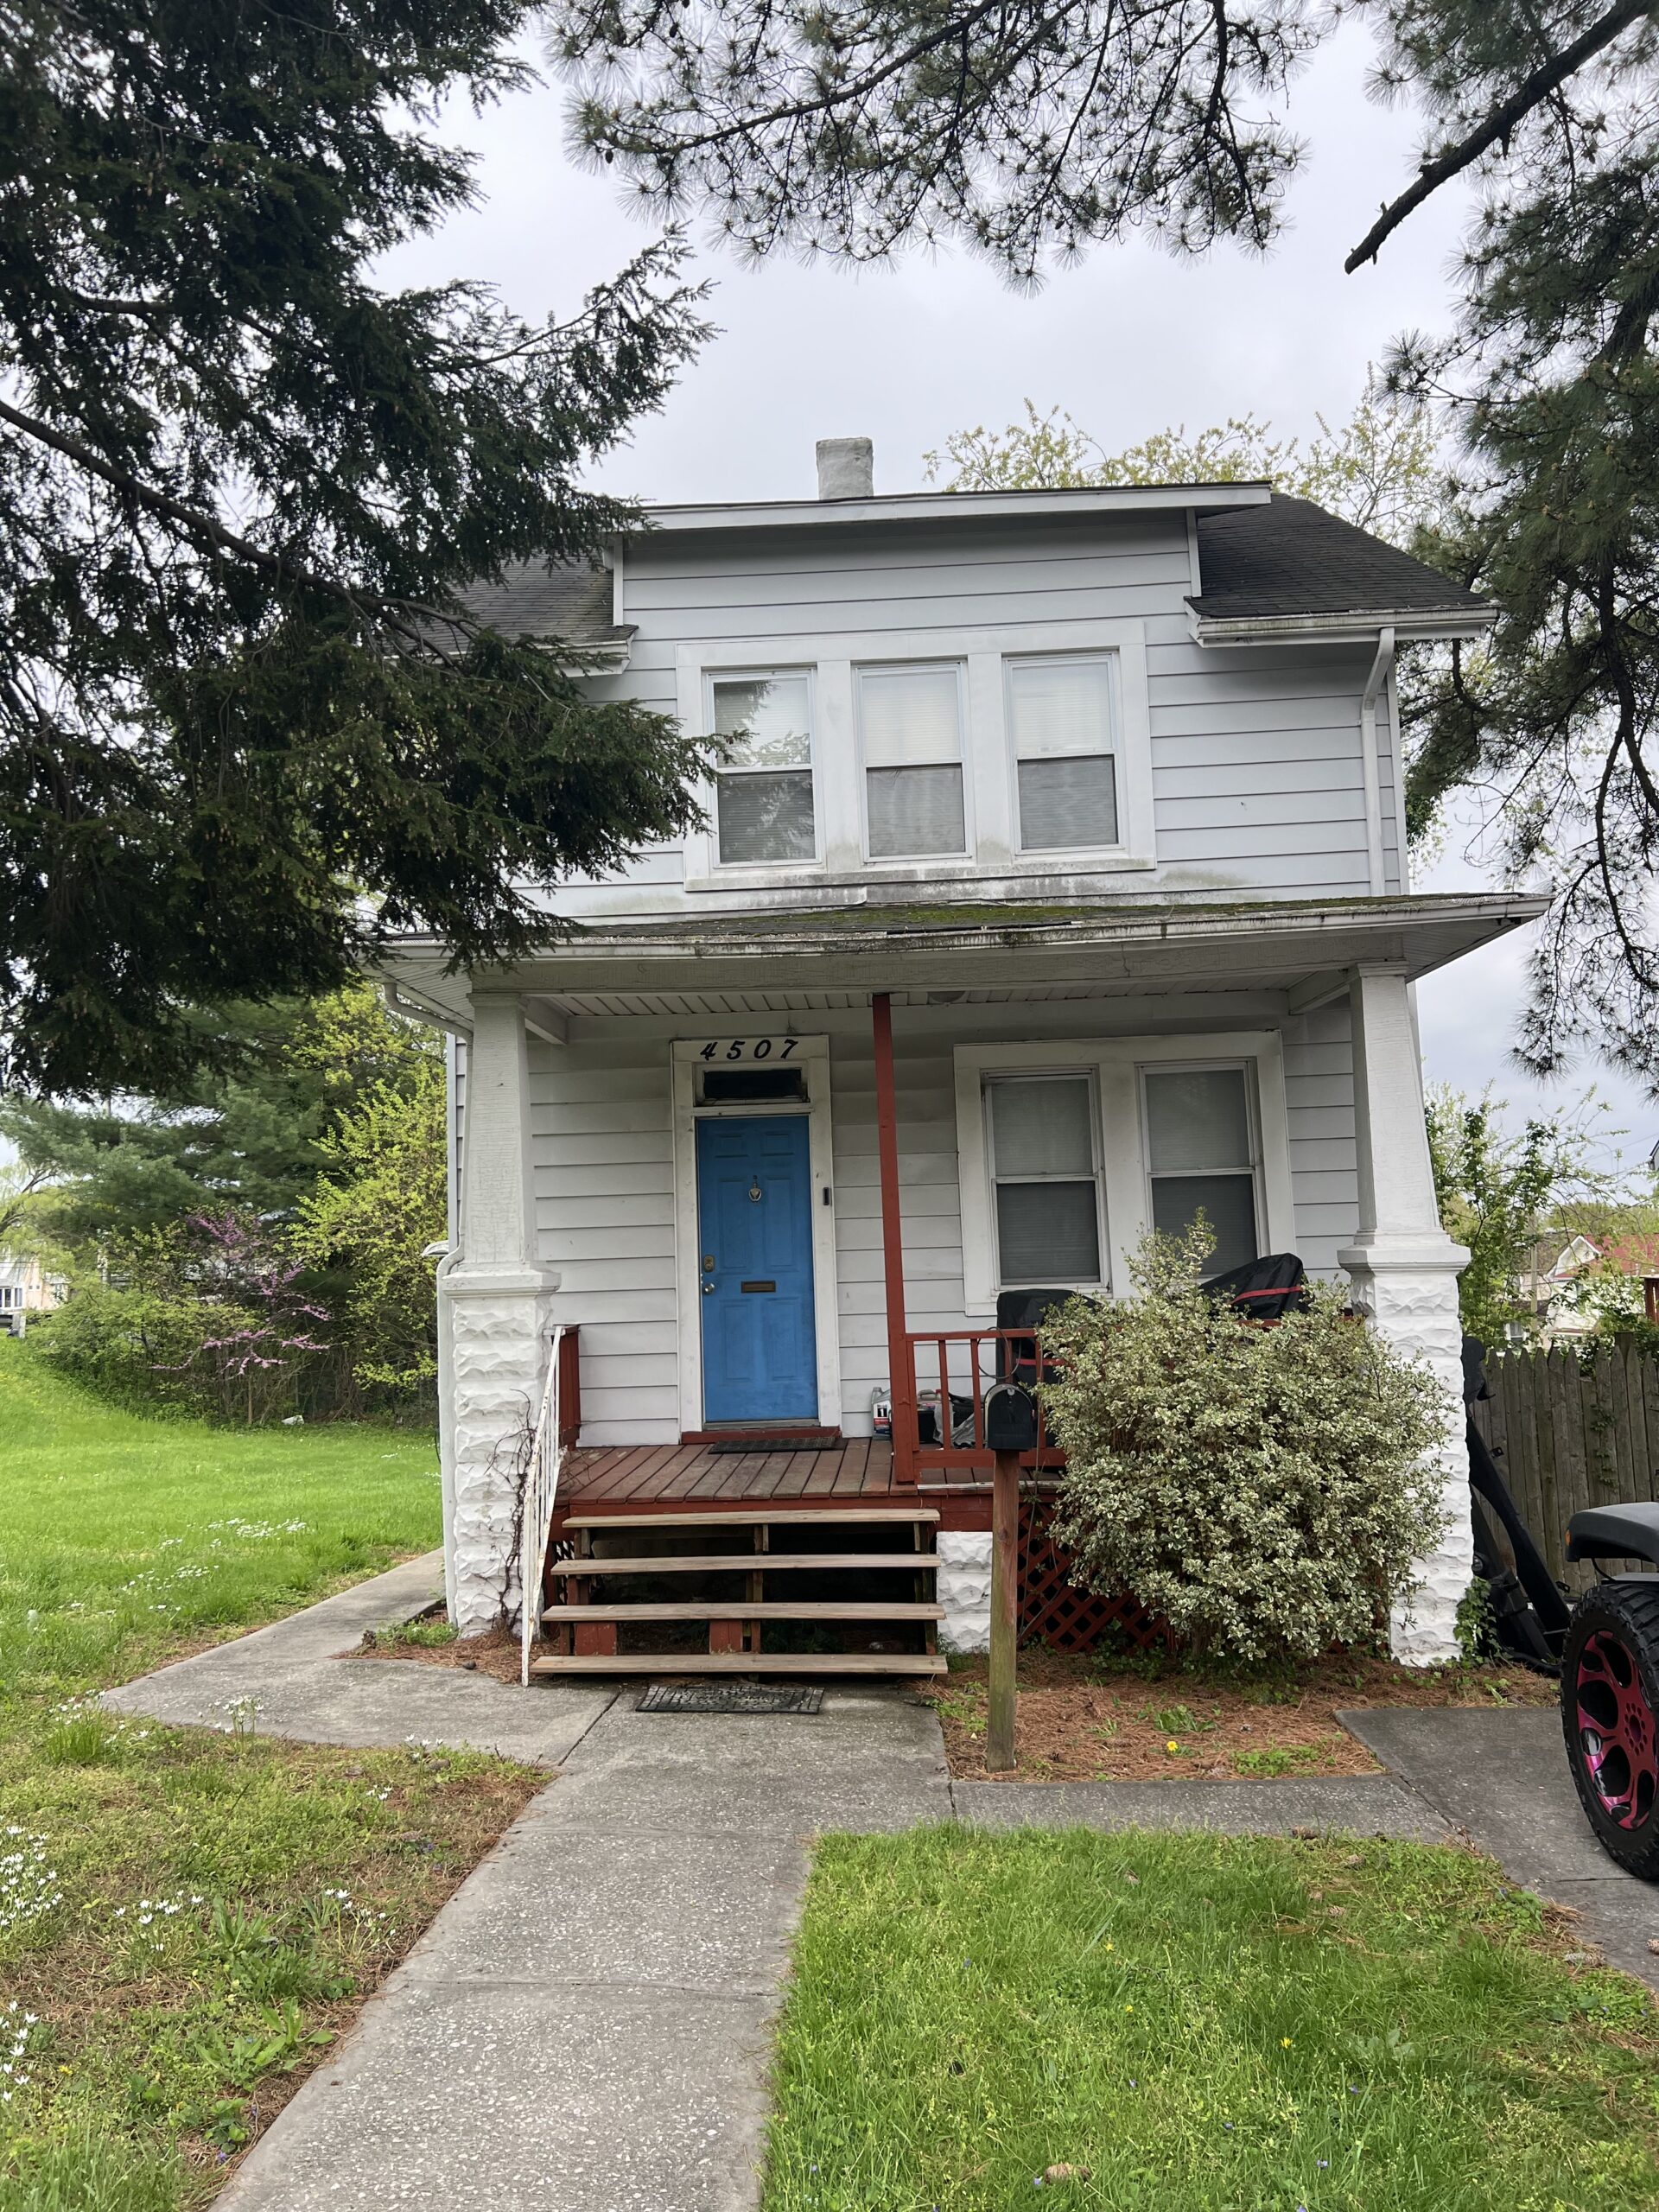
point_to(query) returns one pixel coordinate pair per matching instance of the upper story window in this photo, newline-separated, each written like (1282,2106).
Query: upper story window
(1045,1174)
(910,722)
(1061,718)
(1202,1154)
(763,806)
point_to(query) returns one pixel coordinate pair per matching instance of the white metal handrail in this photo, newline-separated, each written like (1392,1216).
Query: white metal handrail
(541,1490)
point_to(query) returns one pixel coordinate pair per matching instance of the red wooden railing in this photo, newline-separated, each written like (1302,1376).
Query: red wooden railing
(959,1364)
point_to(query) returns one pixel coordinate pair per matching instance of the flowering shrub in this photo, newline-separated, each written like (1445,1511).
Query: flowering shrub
(211,1315)
(1262,1488)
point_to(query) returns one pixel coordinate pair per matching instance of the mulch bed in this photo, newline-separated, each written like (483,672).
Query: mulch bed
(1079,1719)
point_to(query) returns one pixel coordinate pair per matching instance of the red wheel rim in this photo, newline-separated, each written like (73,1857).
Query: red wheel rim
(1616,1732)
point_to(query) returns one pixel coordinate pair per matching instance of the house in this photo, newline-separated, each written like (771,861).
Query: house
(1054,885)
(1571,1285)
(26,1288)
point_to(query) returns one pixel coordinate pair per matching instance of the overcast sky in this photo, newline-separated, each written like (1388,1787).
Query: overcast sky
(1130,340)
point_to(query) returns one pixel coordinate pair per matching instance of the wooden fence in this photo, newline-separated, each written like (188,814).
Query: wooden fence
(1570,1431)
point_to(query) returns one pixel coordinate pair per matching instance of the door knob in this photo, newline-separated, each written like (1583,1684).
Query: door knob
(707,1289)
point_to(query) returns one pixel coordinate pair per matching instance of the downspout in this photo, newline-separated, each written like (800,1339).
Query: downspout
(1370,745)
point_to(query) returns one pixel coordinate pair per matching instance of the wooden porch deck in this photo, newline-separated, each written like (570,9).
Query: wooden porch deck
(688,1476)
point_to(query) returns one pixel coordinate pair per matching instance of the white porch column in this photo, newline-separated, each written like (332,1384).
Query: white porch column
(495,1293)
(1405,1269)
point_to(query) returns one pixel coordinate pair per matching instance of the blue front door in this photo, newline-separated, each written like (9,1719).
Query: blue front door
(755,1266)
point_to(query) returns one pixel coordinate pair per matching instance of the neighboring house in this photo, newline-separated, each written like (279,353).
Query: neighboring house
(1553,1266)
(26,1288)
(1572,1285)
(1054,886)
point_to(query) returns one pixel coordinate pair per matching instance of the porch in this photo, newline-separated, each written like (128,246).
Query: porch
(777,1178)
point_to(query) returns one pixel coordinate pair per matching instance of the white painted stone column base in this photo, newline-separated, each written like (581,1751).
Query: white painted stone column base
(964,1581)
(498,1322)
(1407,1288)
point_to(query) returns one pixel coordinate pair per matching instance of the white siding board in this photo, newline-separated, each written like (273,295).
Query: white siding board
(1240,816)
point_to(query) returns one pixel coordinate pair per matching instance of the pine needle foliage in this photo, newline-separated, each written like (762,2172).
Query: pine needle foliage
(1264,1490)
(248,726)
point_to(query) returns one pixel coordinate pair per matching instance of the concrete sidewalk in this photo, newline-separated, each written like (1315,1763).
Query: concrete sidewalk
(305,1685)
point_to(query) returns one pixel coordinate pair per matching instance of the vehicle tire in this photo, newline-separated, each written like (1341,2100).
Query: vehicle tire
(1609,1716)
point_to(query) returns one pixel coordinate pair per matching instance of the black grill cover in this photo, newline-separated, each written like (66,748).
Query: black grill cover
(1266,1289)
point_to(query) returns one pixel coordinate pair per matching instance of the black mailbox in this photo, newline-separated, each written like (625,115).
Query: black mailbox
(1010,1418)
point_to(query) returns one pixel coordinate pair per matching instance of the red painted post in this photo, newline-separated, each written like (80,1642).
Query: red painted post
(901,1382)
(1005,1611)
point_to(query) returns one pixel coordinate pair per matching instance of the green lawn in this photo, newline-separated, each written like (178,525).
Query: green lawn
(189,1917)
(1207,2025)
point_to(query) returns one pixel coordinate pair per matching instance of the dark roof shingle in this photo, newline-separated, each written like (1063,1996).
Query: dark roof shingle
(571,602)
(1290,557)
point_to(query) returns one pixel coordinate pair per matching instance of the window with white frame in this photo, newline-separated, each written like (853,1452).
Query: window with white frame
(1062,718)
(911,723)
(1046,1177)
(763,787)
(1203,1156)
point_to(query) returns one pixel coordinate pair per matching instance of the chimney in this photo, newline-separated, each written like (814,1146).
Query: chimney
(846,468)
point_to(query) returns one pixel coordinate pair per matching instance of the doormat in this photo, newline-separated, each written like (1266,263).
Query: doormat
(738,1444)
(727,1697)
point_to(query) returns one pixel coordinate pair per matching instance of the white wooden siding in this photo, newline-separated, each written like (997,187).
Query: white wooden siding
(603,1153)
(1257,766)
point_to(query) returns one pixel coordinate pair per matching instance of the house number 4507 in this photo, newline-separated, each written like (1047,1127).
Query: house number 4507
(749,1048)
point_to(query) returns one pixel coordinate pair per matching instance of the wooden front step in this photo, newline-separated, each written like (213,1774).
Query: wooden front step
(744,1562)
(747,1608)
(589,1630)
(743,1663)
(759,1516)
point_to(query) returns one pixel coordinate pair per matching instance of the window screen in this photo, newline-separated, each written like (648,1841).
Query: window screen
(1064,763)
(911,723)
(763,790)
(1202,1158)
(1043,1167)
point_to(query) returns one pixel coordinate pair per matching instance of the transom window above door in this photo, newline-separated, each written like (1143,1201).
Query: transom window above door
(764,807)
(1046,1173)
(1202,1156)
(911,723)
(1062,719)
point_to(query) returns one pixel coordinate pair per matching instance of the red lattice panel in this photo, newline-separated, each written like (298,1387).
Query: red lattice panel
(1053,1612)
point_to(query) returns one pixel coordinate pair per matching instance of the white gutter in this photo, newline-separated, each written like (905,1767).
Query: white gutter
(398,1002)
(1356,628)
(958,506)
(1370,748)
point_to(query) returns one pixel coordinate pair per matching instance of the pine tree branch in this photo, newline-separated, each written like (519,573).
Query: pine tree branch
(1527,95)
(842,96)
(208,530)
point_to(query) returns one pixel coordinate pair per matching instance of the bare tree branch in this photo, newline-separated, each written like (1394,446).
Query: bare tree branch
(1502,120)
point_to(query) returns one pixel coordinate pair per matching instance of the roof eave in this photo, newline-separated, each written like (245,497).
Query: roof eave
(957,507)
(1310,945)
(1352,627)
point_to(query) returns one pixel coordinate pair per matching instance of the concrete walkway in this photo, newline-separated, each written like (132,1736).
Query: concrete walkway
(588,2022)
(1500,1778)
(297,1673)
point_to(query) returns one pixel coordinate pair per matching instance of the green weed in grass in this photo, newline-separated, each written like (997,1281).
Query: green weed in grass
(423,1636)
(1208,2023)
(87,2171)
(1273,1760)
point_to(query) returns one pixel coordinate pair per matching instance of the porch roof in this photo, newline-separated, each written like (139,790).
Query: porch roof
(1305,948)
